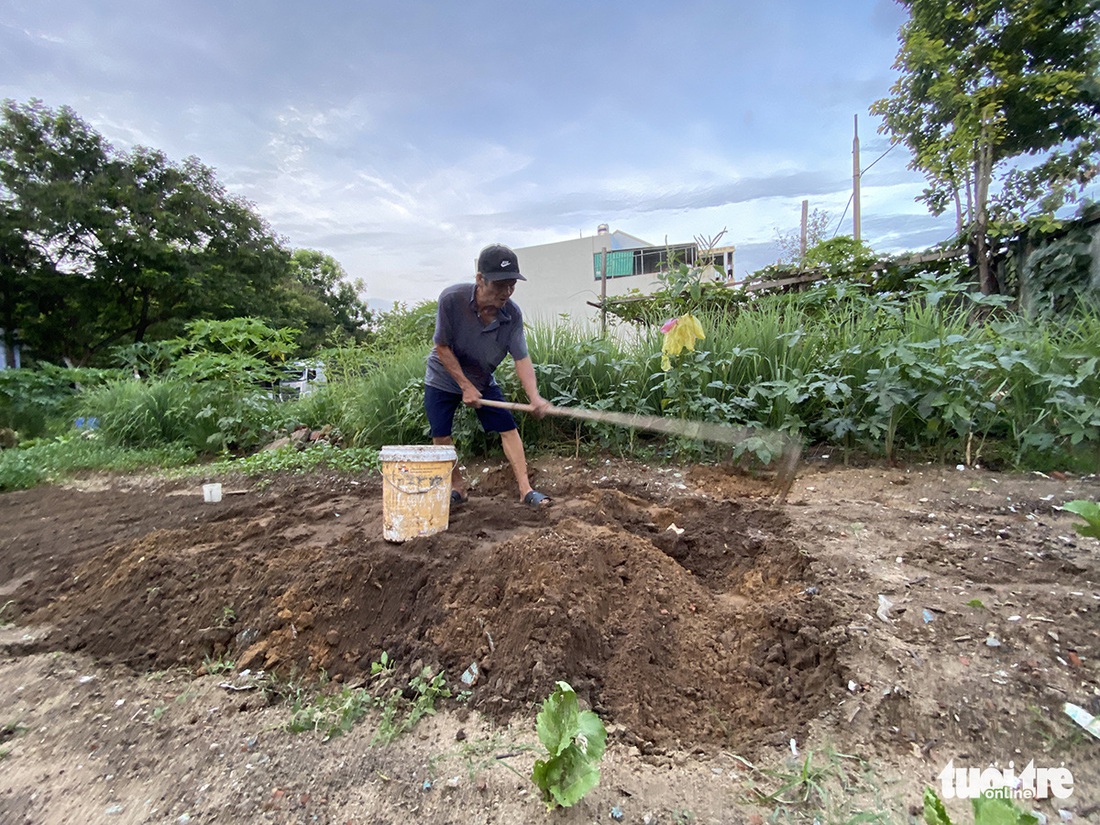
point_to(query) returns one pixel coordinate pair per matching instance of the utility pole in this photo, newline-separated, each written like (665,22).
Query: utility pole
(805,230)
(603,293)
(855,179)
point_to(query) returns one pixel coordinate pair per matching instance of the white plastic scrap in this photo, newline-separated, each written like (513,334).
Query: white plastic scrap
(884,605)
(1083,718)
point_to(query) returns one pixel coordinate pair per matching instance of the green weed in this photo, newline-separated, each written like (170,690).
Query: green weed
(318,456)
(400,714)
(988,810)
(825,786)
(399,709)
(9,731)
(1090,512)
(478,756)
(218,665)
(65,456)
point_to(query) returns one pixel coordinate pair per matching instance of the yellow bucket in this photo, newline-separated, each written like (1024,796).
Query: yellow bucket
(416,490)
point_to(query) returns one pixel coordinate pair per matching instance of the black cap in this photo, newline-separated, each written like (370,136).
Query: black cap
(498,263)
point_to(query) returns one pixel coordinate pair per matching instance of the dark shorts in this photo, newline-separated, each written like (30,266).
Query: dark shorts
(441,407)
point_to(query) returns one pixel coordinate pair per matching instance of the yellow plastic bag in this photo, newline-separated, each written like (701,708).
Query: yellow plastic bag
(680,334)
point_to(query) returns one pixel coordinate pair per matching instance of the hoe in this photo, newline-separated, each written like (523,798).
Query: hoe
(787,455)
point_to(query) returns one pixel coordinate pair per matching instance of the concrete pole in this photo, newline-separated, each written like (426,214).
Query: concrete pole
(805,232)
(603,293)
(855,180)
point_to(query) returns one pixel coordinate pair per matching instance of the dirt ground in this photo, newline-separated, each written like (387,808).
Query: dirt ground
(731,645)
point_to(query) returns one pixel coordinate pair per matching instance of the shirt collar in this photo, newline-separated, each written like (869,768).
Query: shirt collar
(503,316)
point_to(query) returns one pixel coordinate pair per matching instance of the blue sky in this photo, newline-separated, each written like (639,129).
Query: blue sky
(401,137)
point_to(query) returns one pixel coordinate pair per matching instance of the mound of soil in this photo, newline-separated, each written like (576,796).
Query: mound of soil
(912,616)
(686,620)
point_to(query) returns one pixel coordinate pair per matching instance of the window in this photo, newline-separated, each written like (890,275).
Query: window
(650,260)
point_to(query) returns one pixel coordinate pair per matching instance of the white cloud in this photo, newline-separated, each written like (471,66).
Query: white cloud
(383,134)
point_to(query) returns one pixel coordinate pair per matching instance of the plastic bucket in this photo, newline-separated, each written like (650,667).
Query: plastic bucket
(211,493)
(416,490)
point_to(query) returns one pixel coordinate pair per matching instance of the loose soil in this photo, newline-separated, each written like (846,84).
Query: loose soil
(728,642)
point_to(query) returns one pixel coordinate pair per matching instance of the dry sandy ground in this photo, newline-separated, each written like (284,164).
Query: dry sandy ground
(712,630)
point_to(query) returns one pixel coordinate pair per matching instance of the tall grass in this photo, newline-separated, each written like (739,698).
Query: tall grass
(73,453)
(927,371)
(207,417)
(882,373)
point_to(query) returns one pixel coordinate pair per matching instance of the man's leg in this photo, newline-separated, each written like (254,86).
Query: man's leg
(458,483)
(513,449)
(440,407)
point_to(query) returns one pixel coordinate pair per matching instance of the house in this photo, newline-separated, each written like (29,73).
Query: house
(571,277)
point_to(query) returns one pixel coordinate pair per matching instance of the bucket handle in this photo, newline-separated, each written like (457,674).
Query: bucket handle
(401,489)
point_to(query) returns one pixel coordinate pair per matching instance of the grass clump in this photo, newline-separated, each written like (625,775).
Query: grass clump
(823,786)
(292,460)
(54,459)
(399,708)
(8,731)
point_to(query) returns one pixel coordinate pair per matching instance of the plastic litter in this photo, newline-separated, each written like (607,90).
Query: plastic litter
(617,814)
(470,675)
(884,605)
(1083,718)
(927,615)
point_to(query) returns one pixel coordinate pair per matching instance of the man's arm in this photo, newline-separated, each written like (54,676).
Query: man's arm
(470,393)
(525,372)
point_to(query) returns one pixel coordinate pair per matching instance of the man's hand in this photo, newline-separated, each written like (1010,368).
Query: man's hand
(470,396)
(540,407)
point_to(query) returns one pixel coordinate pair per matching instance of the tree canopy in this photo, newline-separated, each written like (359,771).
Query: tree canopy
(101,247)
(999,103)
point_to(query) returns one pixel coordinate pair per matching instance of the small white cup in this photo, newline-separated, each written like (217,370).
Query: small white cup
(211,493)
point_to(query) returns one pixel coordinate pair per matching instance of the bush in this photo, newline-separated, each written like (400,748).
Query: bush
(35,402)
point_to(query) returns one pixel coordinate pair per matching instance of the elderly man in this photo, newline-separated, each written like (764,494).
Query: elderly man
(476,327)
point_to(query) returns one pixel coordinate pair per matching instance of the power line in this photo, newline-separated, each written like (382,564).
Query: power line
(862,172)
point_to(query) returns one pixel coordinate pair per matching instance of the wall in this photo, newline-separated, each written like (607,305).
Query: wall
(561,279)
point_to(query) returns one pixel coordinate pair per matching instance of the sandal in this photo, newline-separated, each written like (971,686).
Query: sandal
(536,499)
(458,498)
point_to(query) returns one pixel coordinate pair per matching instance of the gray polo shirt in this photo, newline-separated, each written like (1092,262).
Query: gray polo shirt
(479,348)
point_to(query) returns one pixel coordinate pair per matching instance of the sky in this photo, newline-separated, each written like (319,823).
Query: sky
(402,137)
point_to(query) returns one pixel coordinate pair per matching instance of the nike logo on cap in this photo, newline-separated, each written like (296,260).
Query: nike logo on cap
(505,263)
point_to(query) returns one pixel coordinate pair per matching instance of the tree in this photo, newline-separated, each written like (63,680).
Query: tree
(986,83)
(318,297)
(101,248)
(790,242)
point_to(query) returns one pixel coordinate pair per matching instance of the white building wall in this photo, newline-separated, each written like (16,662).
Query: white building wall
(561,279)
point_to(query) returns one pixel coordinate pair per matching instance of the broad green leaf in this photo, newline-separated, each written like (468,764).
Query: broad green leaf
(1090,512)
(991,810)
(594,735)
(575,742)
(934,812)
(545,774)
(576,775)
(556,723)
